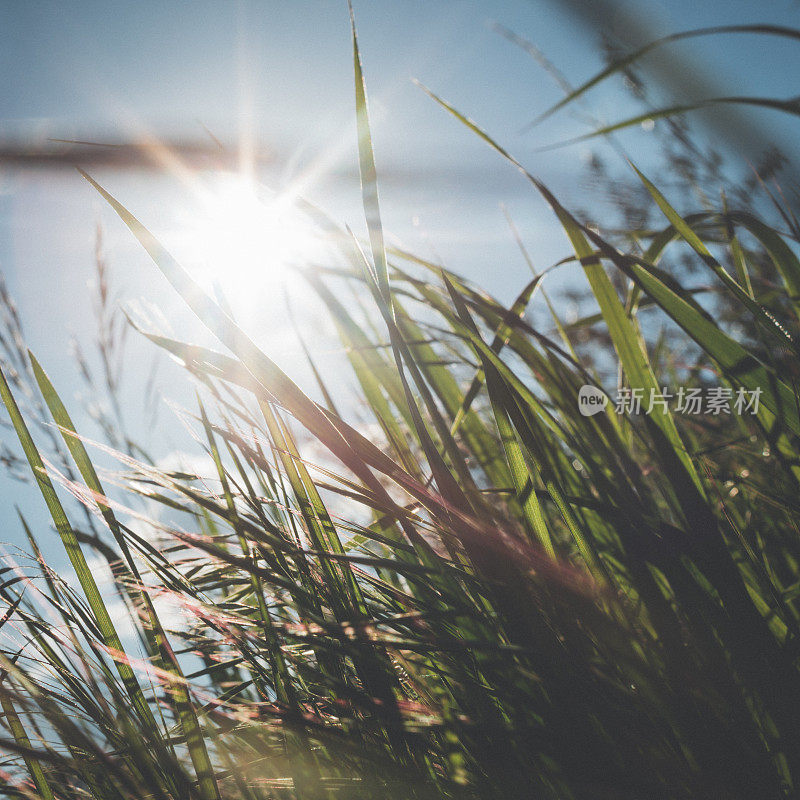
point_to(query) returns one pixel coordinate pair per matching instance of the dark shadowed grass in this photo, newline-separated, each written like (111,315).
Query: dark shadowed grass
(490,595)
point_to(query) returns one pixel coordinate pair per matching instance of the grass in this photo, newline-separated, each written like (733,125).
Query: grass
(493,597)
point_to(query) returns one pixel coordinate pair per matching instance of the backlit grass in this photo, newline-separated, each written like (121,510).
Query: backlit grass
(485,594)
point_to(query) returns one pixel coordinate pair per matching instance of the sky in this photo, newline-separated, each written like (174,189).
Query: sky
(280,75)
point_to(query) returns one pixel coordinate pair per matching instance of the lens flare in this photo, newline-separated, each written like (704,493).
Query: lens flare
(245,240)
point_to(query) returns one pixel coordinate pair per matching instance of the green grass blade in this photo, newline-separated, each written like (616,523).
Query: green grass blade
(627,343)
(688,234)
(369,177)
(85,577)
(740,366)
(186,712)
(620,64)
(790,106)
(21,738)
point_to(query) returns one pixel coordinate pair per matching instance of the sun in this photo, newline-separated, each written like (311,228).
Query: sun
(245,239)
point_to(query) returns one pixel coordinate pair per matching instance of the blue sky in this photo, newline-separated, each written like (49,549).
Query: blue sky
(283,71)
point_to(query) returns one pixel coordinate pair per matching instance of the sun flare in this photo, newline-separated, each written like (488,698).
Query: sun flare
(243,238)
